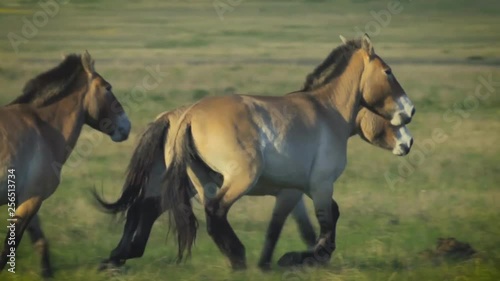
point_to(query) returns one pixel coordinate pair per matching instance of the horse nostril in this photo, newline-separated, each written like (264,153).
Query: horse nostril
(406,119)
(413,111)
(411,142)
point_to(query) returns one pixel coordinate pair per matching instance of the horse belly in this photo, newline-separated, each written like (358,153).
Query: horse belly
(9,191)
(10,186)
(266,186)
(38,171)
(8,181)
(26,152)
(282,171)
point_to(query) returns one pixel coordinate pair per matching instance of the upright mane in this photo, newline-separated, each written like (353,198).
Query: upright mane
(333,66)
(52,84)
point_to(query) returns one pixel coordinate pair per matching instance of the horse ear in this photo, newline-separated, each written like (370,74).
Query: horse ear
(88,62)
(366,44)
(343,39)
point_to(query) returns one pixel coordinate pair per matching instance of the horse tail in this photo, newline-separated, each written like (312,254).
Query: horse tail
(150,145)
(176,195)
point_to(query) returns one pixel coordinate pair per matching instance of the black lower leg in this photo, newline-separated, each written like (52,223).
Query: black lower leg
(306,230)
(140,219)
(119,255)
(224,237)
(12,239)
(151,210)
(325,245)
(41,245)
(335,216)
(273,232)
(326,242)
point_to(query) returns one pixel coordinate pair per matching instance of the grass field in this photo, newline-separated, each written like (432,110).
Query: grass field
(449,185)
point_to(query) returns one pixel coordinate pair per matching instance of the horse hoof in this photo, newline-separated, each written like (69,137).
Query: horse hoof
(264,267)
(110,265)
(47,273)
(238,266)
(290,259)
(103,265)
(307,258)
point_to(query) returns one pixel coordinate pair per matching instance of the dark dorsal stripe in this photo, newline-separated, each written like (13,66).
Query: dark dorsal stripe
(51,84)
(333,66)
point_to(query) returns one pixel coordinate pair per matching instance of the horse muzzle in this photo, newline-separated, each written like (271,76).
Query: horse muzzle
(122,129)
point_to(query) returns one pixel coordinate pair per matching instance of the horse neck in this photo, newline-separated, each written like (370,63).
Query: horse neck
(356,128)
(343,95)
(67,117)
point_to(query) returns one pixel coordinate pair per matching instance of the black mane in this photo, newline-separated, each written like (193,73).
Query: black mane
(51,84)
(333,66)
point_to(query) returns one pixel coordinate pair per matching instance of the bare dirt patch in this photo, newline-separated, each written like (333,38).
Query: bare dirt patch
(449,249)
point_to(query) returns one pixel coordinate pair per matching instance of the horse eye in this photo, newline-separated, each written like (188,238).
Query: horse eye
(108,88)
(388,72)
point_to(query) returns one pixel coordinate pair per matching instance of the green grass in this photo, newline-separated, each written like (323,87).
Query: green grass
(437,49)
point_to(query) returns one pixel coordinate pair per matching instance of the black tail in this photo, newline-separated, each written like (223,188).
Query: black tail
(177,194)
(150,145)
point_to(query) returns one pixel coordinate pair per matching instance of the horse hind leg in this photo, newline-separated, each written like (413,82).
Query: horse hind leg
(223,234)
(236,183)
(23,215)
(41,245)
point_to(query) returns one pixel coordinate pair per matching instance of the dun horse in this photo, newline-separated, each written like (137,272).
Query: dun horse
(141,193)
(261,145)
(265,145)
(39,129)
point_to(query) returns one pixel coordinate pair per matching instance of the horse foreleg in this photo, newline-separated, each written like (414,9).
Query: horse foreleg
(286,200)
(140,219)
(23,215)
(327,213)
(119,254)
(304,224)
(149,212)
(40,244)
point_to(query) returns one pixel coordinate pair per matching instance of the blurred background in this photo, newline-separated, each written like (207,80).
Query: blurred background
(445,53)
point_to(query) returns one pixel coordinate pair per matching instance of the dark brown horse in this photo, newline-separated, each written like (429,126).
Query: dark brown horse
(38,131)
